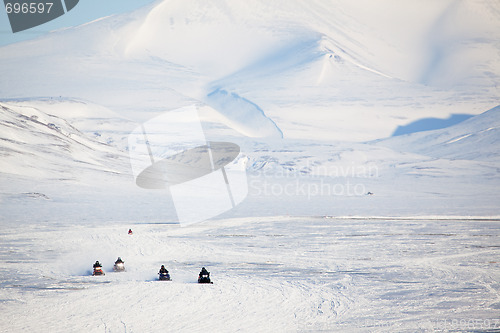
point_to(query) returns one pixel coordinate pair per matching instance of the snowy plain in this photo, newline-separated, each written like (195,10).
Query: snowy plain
(308,274)
(346,227)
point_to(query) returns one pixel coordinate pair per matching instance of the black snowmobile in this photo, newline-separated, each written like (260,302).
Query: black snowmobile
(163,274)
(119,265)
(164,277)
(97,269)
(204,276)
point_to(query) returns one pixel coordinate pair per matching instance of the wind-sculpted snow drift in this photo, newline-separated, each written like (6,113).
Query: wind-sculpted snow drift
(243,115)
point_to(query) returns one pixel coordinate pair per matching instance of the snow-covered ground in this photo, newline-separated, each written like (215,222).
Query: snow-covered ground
(346,226)
(309,274)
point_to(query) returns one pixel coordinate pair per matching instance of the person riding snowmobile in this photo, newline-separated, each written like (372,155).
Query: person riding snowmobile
(119,265)
(204,276)
(97,269)
(164,274)
(204,272)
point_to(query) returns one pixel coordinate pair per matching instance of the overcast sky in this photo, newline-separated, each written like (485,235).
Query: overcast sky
(85,11)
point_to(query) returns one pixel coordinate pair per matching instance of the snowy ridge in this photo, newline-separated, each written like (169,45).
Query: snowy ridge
(322,65)
(477,138)
(41,145)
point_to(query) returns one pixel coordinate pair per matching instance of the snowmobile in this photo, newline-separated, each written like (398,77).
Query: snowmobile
(119,265)
(204,279)
(163,273)
(97,269)
(204,276)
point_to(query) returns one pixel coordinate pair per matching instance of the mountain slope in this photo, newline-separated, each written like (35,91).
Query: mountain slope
(477,138)
(322,75)
(322,65)
(41,145)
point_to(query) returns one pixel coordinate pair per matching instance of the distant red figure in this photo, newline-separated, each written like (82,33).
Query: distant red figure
(130,231)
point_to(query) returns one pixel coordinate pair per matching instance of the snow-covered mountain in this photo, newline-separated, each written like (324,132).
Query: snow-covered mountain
(321,75)
(322,64)
(42,145)
(477,138)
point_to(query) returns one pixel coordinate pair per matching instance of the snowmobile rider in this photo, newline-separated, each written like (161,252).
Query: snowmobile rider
(119,261)
(97,265)
(163,270)
(204,272)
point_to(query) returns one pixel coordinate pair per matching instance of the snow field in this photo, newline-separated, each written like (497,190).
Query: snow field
(270,274)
